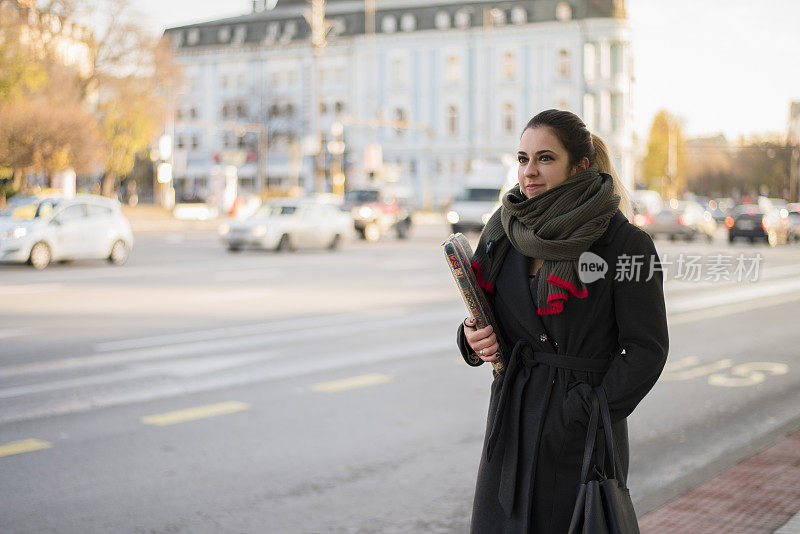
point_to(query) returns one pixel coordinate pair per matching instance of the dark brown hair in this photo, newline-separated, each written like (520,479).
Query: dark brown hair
(580,143)
(570,130)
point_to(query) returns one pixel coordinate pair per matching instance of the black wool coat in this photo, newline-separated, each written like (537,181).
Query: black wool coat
(529,471)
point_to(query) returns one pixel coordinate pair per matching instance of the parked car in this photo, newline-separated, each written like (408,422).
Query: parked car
(720,208)
(794,221)
(376,212)
(755,223)
(682,219)
(40,230)
(288,225)
(472,208)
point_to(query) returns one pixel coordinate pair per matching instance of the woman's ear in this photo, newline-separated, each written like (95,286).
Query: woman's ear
(581,166)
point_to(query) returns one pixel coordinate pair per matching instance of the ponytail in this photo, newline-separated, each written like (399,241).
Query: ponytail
(603,160)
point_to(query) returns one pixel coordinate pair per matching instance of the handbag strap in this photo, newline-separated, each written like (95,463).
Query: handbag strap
(611,449)
(591,437)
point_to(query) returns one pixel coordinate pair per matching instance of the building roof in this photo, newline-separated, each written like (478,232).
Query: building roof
(286,22)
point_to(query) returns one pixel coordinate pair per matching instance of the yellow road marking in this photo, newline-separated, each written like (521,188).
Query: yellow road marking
(192,414)
(25,445)
(351,383)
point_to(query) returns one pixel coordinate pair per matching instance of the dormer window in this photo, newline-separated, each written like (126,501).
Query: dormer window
(442,20)
(519,15)
(240,34)
(388,24)
(563,11)
(463,18)
(193,37)
(224,34)
(408,22)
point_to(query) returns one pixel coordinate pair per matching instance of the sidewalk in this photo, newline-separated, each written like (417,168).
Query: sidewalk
(759,495)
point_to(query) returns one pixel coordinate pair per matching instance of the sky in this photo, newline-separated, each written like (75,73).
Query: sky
(722,66)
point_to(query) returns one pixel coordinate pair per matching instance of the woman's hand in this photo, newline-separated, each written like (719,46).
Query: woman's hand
(483,341)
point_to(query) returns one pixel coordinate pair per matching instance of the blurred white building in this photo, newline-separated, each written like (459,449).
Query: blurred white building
(438,85)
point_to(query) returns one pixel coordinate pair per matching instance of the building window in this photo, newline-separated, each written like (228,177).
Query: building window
(564,67)
(193,37)
(224,34)
(241,110)
(224,111)
(498,17)
(289,110)
(178,114)
(463,18)
(563,11)
(408,22)
(509,66)
(439,166)
(388,24)
(193,113)
(289,31)
(239,34)
(508,118)
(616,58)
(589,61)
(442,20)
(179,142)
(519,15)
(323,108)
(616,111)
(338,107)
(452,120)
(400,121)
(589,110)
(452,73)
(274,110)
(195,142)
(398,72)
(177,39)
(339,27)
(273,29)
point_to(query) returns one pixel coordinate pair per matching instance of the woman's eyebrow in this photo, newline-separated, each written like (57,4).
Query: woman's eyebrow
(544,151)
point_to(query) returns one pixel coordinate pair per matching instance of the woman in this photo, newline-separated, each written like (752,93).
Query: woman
(560,336)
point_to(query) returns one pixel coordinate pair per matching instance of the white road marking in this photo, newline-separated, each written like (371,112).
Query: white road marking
(268,340)
(298,323)
(280,367)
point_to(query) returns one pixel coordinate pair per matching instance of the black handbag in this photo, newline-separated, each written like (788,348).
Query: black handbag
(604,504)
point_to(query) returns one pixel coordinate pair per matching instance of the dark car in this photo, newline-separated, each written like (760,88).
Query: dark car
(686,220)
(757,223)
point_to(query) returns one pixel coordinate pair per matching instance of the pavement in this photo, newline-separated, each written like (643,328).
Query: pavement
(759,494)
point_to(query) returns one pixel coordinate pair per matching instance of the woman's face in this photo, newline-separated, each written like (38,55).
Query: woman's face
(543,162)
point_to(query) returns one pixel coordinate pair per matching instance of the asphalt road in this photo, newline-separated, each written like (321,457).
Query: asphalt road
(194,390)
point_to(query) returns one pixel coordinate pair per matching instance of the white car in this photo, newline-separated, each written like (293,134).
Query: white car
(41,230)
(289,224)
(472,208)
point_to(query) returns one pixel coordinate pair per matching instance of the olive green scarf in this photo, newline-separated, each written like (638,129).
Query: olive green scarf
(556,226)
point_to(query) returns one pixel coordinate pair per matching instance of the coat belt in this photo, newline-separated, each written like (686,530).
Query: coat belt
(523,354)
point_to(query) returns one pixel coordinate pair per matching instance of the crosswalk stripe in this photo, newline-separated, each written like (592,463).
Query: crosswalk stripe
(351,383)
(22,446)
(193,414)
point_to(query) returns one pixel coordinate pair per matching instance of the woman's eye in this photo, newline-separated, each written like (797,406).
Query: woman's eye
(545,158)
(522,159)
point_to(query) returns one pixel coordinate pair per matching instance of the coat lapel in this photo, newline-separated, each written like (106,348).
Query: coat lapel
(513,288)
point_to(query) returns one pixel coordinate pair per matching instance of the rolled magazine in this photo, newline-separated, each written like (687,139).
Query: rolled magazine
(458,253)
